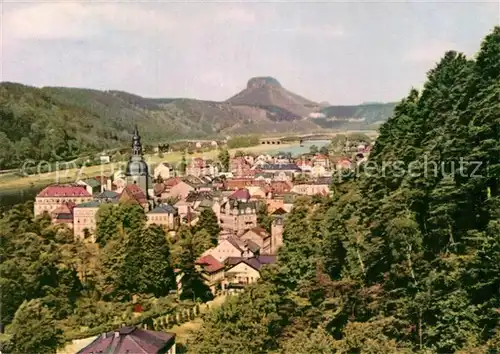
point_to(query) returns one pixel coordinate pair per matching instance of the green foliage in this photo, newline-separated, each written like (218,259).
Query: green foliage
(34,329)
(208,222)
(264,220)
(393,262)
(112,219)
(224,159)
(188,248)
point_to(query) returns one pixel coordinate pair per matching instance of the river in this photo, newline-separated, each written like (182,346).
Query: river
(9,198)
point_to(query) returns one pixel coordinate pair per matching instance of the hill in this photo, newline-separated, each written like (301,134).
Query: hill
(59,123)
(267,93)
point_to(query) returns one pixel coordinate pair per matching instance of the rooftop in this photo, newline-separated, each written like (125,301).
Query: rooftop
(64,190)
(131,340)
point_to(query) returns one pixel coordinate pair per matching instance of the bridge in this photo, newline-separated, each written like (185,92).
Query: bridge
(270,141)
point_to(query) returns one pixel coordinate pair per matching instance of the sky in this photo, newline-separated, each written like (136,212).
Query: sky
(339,52)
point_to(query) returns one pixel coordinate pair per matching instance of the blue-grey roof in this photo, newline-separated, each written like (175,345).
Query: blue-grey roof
(107,195)
(164,209)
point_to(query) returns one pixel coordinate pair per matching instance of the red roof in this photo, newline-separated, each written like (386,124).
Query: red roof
(281,186)
(135,192)
(210,264)
(173,181)
(65,208)
(321,156)
(64,191)
(240,194)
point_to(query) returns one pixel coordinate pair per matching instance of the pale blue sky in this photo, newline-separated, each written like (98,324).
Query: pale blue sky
(343,53)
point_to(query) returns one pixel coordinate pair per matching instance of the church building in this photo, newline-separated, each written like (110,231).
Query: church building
(137,172)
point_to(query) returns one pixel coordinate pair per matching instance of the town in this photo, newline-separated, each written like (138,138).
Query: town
(249,184)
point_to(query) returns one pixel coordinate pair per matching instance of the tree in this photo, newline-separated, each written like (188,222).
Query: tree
(264,220)
(208,221)
(183,165)
(34,329)
(111,219)
(239,153)
(188,251)
(224,159)
(313,149)
(324,150)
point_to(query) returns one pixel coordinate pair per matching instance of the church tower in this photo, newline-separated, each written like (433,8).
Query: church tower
(137,169)
(277,233)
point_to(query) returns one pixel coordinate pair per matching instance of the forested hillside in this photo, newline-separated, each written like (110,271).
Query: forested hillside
(405,257)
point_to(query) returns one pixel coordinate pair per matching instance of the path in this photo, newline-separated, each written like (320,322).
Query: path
(184,331)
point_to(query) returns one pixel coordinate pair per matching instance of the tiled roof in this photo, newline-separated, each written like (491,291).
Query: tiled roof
(210,264)
(252,262)
(323,181)
(135,192)
(159,188)
(65,208)
(259,231)
(279,211)
(236,243)
(252,246)
(64,190)
(267,259)
(164,209)
(241,194)
(92,182)
(130,340)
(107,195)
(172,181)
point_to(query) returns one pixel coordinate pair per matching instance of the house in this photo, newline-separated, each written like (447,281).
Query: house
(344,164)
(180,190)
(63,214)
(259,237)
(92,185)
(319,187)
(321,160)
(242,195)
(55,195)
(212,271)
(239,166)
(132,340)
(237,183)
(281,187)
(237,216)
(305,165)
(230,247)
(165,215)
(107,195)
(84,219)
(104,158)
(241,271)
(164,171)
(132,193)
(258,192)
(287,168)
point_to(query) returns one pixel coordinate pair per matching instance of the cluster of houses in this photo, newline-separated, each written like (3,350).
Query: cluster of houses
(170,200)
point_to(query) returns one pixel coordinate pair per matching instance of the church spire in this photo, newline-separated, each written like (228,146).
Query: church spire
(136,143)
